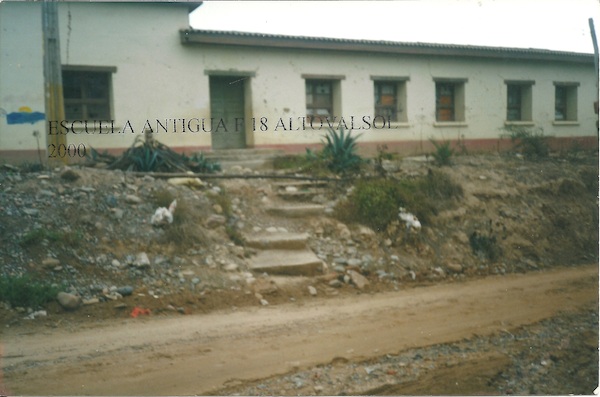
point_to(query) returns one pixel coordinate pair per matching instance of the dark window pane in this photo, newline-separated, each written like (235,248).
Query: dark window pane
(86,95)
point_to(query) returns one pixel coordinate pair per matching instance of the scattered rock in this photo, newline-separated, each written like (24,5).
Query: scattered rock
(312,290)
(69,175)
(231,267)
(50,263)
(454,267)
(31,211)
(335,283)
(193,183)
(132,199)
(358,279)
(125,291)
(68,301)
(214,221)
(90,301)
(142,261)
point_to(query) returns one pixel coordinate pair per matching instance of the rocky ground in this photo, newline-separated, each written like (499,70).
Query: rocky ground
(88,231)
(554,357)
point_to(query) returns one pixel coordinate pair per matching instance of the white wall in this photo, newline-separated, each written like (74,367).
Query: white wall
(278,91)
(21,72)
(157,77)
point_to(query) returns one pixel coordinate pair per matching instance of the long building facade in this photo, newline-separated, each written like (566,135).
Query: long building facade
(130,69)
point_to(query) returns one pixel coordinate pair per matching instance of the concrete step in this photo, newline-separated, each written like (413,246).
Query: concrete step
(299,184)
(253,164)
(245,158)
(288,241)
(301,195)
(286,262)
(296,210)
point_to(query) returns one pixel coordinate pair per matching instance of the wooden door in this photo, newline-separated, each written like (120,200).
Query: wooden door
(227,112)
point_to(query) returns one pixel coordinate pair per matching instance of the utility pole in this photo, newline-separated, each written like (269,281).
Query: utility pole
(595,42)
(53,88)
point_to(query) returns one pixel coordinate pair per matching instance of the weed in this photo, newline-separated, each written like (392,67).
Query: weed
(443,152)
(382,154)
(375,202)
(36,236)
(199,163)
(32,167)
(22,291)
(234,234)
(589,176)
(532,144)
(484,245)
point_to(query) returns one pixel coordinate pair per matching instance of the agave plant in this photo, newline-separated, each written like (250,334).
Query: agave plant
(340,151)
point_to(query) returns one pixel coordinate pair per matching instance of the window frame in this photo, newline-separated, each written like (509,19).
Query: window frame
(569,107)
(524,105)
(400,103)
(457,101)
(86,75)
(334,105)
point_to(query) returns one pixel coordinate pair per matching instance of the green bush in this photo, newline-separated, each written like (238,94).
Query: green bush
(290,161)
(485,245)
(443,153)
(36,236)
(199,163)
(532,144)
(22,291)
(375,202)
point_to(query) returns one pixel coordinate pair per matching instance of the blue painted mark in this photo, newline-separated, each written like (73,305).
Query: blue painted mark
(24,117)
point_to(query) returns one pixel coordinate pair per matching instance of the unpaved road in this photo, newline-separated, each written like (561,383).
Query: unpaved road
(201,354)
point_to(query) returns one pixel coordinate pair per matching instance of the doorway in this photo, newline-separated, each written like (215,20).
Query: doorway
(227,109)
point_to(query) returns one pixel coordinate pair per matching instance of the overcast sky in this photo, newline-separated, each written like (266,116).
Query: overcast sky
(548,24)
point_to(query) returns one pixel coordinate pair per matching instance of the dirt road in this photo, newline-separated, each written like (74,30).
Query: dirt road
(201,354)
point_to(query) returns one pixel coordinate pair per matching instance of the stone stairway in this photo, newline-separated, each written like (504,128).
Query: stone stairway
(299,190)
(283,253)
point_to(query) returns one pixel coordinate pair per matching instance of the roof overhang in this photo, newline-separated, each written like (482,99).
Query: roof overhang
(228,38)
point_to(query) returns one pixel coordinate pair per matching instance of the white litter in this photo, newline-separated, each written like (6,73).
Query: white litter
(409,219)
(163,215)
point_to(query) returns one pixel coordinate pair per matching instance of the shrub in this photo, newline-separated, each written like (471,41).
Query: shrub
(443,152)
(532,144)
(22,291)
(231,229)
(199,163)
(382,154)
(36,236)
(290,161)
(485,245)
(375,202)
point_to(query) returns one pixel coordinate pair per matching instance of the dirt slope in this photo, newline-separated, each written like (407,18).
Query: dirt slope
(203,354)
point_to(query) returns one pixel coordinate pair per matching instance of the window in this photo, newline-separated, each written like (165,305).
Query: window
(87,93)
(518,100)
(565,101)
(390,99)
(319,99)
(450,100)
